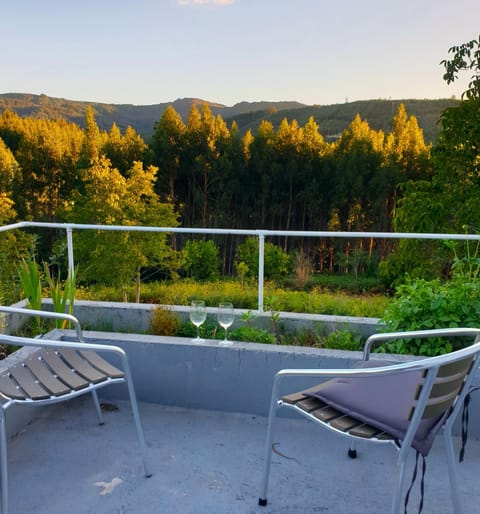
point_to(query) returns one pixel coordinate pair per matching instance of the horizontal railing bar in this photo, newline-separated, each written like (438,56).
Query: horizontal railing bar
(252,232)
(258,233)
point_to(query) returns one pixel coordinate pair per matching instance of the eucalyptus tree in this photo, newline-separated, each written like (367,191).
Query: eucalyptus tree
(167,146)
(93,141)
(46,154)
(124,149)
(109,198)
(14,245)
(206,141)
(447,201)
(8,166)
(358,158)
(262,154)
(288,139)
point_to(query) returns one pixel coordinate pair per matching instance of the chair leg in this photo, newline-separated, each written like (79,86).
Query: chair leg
(267,461)
(3,462)
(97,407)
(352,450)
(400,479)
(452,469)
(136,417)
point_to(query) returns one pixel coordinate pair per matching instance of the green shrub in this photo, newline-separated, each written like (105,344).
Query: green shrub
(208,330)
(252,334)
(276,262)
(164,322)
(201,259)
(423,305)
(343,340)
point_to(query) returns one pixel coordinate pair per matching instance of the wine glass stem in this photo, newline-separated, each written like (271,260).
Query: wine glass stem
(198,332)
(225,335)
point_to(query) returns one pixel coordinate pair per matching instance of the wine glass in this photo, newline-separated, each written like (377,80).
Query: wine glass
(198,315)
(225,319)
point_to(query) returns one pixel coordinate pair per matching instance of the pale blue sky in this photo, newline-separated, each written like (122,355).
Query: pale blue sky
(152,51)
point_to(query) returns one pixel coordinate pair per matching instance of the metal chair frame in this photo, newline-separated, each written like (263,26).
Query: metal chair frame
(124,376)
(429,366)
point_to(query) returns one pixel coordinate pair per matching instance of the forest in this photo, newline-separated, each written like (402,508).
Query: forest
(204,173)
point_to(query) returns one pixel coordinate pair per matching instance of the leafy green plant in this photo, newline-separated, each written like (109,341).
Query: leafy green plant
(208,330)
(466,261)
(30,279)
(252,334)
(164,322)
(422,304)
(343,340)
(62,293)
(276,261)
(201,259)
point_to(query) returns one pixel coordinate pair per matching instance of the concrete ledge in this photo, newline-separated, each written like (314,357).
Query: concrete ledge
(135,317)
(237,378)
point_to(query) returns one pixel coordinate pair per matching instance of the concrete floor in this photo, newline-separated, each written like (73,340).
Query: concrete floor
(207,462)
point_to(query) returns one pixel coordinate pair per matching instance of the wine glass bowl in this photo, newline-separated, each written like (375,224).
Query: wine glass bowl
(198,315)
(226,316)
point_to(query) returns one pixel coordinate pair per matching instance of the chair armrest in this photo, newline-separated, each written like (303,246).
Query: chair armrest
(46,314)
(74,345)
(392,368)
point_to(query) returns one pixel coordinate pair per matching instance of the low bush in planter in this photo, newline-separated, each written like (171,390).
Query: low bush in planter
(428,304)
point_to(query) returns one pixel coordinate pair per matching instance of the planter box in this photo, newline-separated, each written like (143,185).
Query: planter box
(135,317)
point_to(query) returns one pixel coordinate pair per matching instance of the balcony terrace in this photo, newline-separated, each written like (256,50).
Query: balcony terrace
(203,410)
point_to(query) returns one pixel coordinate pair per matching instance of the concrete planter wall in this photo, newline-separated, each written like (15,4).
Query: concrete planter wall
(238,378)
(175,371)
(135,317)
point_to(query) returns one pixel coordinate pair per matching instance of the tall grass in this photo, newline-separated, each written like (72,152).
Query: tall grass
(245,296)
(62,293)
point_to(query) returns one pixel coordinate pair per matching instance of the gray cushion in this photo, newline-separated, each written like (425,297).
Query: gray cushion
(383,401)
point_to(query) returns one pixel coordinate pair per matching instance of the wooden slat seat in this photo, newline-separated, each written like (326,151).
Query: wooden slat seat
(81,366)
(27,382)
(48,373)
(102,365)
(59,370)
(62,371)
(404,404)
(46,376)
(333,417)
(9,389)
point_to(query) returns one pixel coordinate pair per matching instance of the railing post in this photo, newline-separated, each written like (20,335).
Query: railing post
(71,263)
(261,267)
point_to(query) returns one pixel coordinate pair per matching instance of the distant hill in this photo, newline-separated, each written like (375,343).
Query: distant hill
(332,119)
(141,117)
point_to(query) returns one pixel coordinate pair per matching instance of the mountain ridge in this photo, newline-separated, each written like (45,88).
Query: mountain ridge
(140,117)
(332,119)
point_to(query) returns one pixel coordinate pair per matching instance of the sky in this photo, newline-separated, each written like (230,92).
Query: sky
(153,51)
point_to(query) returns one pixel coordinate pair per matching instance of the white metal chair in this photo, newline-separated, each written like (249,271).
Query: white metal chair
(58,371)
(403,404)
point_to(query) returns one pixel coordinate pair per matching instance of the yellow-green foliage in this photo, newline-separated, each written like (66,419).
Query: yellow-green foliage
(164,322)
(318,301)
(245,296)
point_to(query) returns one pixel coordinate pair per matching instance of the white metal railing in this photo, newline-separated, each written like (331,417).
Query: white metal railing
(259,233)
